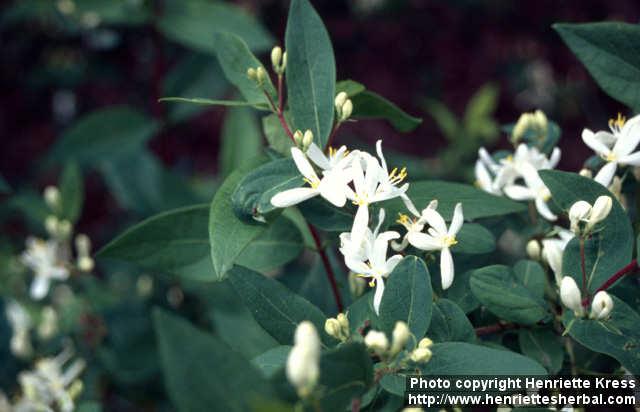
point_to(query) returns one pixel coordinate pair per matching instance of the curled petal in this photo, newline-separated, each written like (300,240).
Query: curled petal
(435,220)
(423,241)
(543,209)
(595,144)
(377,297)
(446,268)
(293,196)
(605,175)
(456,222)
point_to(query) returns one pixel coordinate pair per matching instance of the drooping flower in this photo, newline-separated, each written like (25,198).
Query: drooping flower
(534,189)
(21,325)
(616,148)
(570,295)
(367,256)
(332,186)
(553,250)
(518,165)
(439,237)
(601,306)
(42,258)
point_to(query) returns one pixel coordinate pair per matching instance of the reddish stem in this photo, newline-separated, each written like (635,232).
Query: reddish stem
(627,270)
(331,137)
(498,327)
(280,95)
(355,405)
(327,266)
(283,121)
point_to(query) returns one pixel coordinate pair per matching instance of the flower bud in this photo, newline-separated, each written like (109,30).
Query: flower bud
(251,74)
(425,343)
(570,295)
(85,264)
(51,225)
(339,101)
(332,327)
(533,249)
(303,362)
(297,137)
(578,212)
(400,336)
(52,197)
(586,173)
(49,323)
(307,139)
(276,58)
(261,75)
(347,109)
(64,229)
(601,306)
(307,336)
(344,323)
(83,245)
(600,211)
(376,341)
(421,355)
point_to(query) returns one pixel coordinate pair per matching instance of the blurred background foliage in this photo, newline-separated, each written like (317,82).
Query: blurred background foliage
(81,80)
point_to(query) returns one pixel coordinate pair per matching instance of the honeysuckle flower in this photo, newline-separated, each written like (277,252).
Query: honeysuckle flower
(570,295)
(338,327)
(535,190)
(601,306)
(421,355)
(412,225)
(42,258)
(615,148)
(439,237)
(553,250)
(332,186)
(484,180)
(21,324)
(376,341)
(367,256)
(372,182)
(521,162)
(584,217)
(303,362)
(50,384)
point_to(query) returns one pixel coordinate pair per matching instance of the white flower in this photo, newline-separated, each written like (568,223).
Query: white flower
(303,362)
(400,335)
(535,190)
(21,324)
(484,180)
(332,186)
(553,250)
(412,225)
(368,257)
(372,182)
(582,212)
(615,148)
(601,306)
(440,238)
(376,341)
(570,295)
(42,258)
(519,165)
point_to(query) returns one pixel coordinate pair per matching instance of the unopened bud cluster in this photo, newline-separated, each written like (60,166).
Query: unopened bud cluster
(378,343)
(83,250)
(258,75)
(344,106)
(422,354)
(583,216)
(601,305)
(278,60)
(303,363)
(536,123)
(56,227)
(303,140)
(338,327)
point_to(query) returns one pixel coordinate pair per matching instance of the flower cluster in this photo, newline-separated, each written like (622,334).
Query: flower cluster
(378,343)
(365,180)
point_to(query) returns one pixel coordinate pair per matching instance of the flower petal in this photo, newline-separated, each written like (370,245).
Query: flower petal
(435,220)
(633,159)
(377,297)
(628,140)
(303,164)
(317,157)
(332,187)
(39,287)
(457,221)
(605,175)
(446,268)
(596,145)
(360,224)
(518,192)
(543,209)
(293,196)
(423,241)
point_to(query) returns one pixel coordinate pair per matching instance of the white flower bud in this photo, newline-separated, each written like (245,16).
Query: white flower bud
(570,295)
(83,245)
(85,264)
(347,109)
(251,74)
(344,324)
(261,75)
(400,336)
(376,341)
(533,249)
(332,327)
(578,212)
(49,323)
(307,139)
(144,285)
(303,362)
(52,197)
(425,343)
(51,225)
(600,211)
(586,173)
(421,355)
(276,58)
(297,137)
(601,306)
(339,101)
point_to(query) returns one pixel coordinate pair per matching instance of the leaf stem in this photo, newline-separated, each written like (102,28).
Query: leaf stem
(497,327)
(278,111)
(632,267)
(327,266)
(332,136)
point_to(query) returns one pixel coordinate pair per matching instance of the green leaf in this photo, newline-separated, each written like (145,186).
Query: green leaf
(311,71)
(175,242)
(532,276)
(481,105)
(607,49)
(369,105)
(608,250)
(241,140)
(71,193)
(475,202)
(211,102)
(275,134)
(350,87)
(447,121)
(326,216)
(194,75)
(346,372)
(241,332)
(252,196)
(115,13)
(474,239)
(460,292)
(89,406)
(104,134)
(280,243)
(544,346)
(460,358)
(277,309)
(449,323)
(272,361)
(501,292)
(617,336)
(407,297)
(193,23)
(201,373)
(361,312)
(228,235)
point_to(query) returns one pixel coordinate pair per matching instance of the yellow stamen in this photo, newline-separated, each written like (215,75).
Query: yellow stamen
(450,241)
(402,219)
(314,184)
(395,177)
(609,157)
(332,151)
(372,283)
(617,123)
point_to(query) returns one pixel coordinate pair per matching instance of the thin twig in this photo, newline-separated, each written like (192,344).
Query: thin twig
(332,136)
(327,266)
(498,327)
(632,267)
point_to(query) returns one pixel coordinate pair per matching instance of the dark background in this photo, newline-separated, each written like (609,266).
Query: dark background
(404,50)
